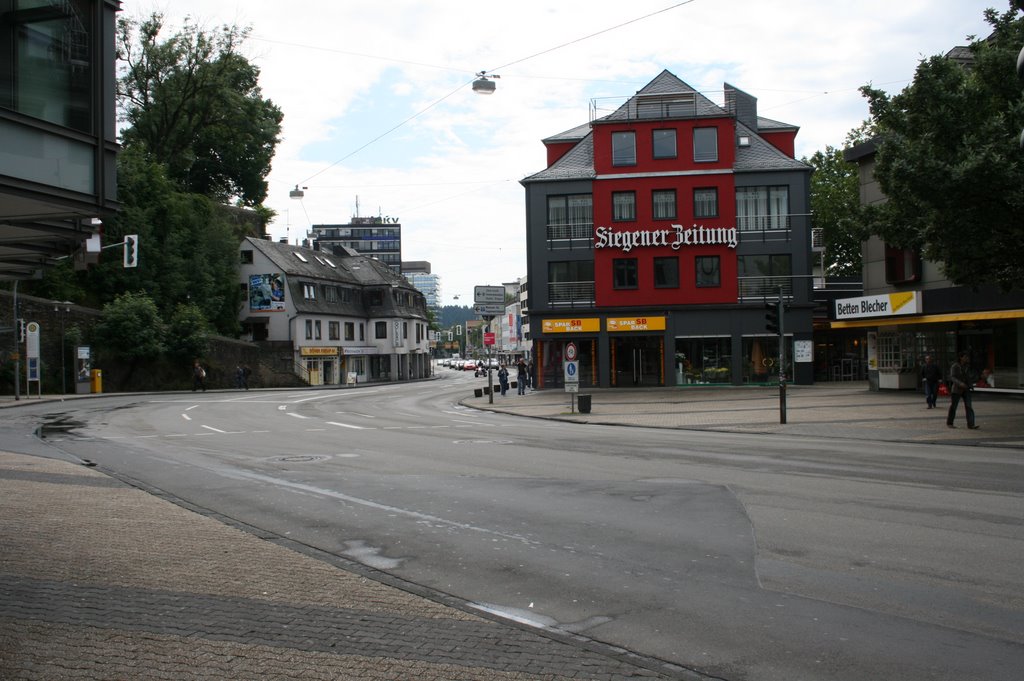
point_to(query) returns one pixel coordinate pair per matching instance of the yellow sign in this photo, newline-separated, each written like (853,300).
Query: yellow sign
(318,352)
(591,324)
(636,324)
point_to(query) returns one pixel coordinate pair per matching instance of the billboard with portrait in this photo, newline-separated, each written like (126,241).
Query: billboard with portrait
(266,292)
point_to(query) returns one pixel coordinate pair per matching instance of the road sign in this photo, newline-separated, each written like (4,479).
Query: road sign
(489,294)
(492,309)
(572,387)
(572,372)
(570,351)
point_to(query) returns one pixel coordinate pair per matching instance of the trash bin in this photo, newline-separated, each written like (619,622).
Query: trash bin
(584,403)
(478,392)
(96,380)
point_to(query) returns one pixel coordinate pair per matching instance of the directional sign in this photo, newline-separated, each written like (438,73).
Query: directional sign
(492,309)
(489,294)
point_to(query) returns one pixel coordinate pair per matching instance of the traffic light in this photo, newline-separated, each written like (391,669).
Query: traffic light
(131,250)
(772,317)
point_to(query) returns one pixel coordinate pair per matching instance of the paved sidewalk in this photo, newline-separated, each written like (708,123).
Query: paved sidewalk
(845,410)
(103,580)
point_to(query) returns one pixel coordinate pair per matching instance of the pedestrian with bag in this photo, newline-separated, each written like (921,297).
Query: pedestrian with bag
(931,374)
(960,386)
(198,376)
(521,377)
(503,379)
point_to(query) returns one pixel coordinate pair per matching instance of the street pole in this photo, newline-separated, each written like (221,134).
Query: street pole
(782,360)
(17,346)
(490,377)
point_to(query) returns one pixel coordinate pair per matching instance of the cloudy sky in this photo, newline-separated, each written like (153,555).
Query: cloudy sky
(380,118)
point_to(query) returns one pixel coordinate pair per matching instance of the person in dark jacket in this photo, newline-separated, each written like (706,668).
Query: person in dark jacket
(521,379)
(960,389)
(503,379)
(931,374)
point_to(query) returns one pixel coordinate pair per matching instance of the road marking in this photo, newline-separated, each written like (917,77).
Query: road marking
(186,417)
(216,430)
(298,416)
(356,413)
(346,425)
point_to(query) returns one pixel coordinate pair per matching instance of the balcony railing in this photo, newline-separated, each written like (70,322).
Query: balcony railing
(571,293)
(764,288)
(764,227)
(570,236)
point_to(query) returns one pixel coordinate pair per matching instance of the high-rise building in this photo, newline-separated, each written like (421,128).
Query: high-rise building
(376,237)
(419,275)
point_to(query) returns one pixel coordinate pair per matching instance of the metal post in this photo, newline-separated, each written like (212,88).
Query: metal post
(782,360)
(17,346)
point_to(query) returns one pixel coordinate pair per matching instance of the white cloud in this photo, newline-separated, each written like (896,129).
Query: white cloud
(345,73)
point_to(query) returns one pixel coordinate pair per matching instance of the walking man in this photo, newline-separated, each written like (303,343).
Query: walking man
(960,389)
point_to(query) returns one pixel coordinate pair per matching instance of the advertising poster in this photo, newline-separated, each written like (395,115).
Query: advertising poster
(266,292)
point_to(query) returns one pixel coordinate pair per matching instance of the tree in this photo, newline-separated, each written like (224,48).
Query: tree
(194,103)
(949,161)
(187,333)
(131,328)
(835,204)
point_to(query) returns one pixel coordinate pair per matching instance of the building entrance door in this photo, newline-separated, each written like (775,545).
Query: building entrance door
(637,361)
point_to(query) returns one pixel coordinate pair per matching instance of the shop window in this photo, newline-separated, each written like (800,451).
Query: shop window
(623,206)
(705,202)
(902,265)
(623,148)
(666,272)
(705,145)
(381,330)
(703,360)
(624,273)
(664,204)
(708,271)
(663,143)
(333,331)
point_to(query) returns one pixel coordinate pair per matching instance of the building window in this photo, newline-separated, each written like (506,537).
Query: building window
(571,217)
(708,271)
(664,204)
(571,282)
(762,208)
(350,331)
(309,291)
(902,265)
(705,203)
(623,148)
(362,332)
(309,329)
(380,330)
(405,330)
(623,206)
(331,294)
(762,275)
(705,144)
(245,257)
(624,273)
(375,298)
(334,331)
(48,64)
(317,330)
(666,272)
(663,143)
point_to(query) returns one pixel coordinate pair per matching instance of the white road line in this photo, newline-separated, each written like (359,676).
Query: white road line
(192,407)
(186,417)
(298,416)
(356,413)
(346,425)
(216,430)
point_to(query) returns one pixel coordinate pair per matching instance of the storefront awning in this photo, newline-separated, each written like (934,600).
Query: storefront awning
(929,319)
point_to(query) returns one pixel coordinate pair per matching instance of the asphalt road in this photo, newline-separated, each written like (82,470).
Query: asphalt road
(742,556)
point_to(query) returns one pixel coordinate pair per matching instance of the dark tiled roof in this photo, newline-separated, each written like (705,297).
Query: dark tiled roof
(577,164)
(666,84)
(572,135)
(761,155)
(769,125)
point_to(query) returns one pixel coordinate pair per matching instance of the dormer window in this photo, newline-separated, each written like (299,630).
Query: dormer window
(743,140)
